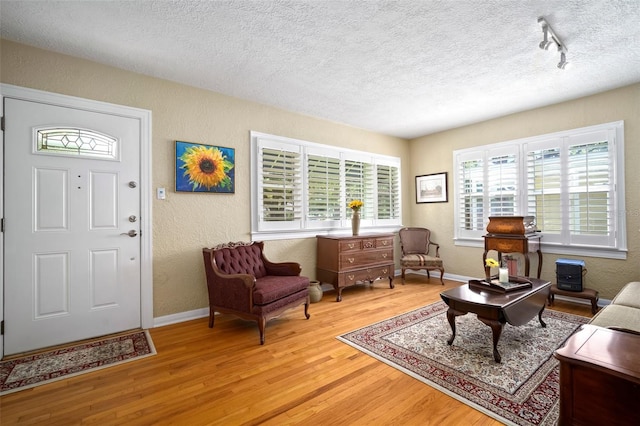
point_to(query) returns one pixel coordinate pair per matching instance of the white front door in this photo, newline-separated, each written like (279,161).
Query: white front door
(72,224)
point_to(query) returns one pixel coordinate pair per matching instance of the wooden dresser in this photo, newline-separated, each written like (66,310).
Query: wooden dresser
(599,378)
(345,260)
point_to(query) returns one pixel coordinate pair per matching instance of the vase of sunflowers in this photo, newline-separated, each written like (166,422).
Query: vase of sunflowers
(355,206)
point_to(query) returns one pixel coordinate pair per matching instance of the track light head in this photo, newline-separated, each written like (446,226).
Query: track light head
(545,43)
(563,61)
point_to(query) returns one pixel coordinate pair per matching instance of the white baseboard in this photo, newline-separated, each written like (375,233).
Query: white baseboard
(180,317)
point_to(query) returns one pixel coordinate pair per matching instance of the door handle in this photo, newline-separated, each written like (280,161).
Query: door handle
(131,233)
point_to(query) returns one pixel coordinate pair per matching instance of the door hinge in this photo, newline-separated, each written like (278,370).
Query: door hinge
(2,123)
(2,327)
(2,225)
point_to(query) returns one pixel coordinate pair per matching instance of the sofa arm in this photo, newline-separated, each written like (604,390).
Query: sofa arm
(283,268)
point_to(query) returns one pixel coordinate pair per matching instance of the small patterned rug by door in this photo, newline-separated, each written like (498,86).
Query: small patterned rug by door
(44,367)
(521,390)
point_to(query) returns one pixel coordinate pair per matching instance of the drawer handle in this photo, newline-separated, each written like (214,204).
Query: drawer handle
(384,243)
(384,271)
(368,244)
(350,277)
(351,245)
(351,259)
(384,255)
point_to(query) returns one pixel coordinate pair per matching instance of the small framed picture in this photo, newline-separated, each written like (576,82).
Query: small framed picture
(431,188)
(204,168)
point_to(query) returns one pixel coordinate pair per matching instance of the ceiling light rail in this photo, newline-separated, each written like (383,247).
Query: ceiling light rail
(549,38)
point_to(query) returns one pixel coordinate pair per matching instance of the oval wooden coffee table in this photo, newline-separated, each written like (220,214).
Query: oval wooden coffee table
(496,308)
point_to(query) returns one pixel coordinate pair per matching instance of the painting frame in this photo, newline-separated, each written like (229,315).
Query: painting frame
(432,188)
(202,168)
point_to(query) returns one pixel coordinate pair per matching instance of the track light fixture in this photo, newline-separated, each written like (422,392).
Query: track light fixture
(549,38)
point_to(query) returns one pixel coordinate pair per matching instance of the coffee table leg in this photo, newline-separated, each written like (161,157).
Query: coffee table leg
(451,317)
(496,331)
(542,323)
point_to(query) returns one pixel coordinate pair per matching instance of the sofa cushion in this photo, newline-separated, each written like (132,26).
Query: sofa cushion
(271,288)
(629,295)
(619,317)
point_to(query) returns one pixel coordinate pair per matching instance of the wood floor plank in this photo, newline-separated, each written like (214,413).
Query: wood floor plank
(223,376)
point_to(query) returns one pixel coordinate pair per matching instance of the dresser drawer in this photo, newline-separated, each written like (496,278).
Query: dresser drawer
(357,245)
(361,259)
(346,279)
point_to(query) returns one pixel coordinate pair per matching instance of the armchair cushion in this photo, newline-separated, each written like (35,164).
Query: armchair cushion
(421,260)
(269,288)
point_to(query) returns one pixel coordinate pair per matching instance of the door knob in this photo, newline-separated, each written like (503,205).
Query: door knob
(131,233)
(132,184)
(132,218)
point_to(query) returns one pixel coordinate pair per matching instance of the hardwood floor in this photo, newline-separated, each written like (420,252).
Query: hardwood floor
(222,376)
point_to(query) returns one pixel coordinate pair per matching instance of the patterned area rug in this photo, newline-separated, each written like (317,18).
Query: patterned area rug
(521,390)
(45,367)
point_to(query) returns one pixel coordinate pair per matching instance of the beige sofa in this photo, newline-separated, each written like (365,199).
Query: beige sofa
(624,311)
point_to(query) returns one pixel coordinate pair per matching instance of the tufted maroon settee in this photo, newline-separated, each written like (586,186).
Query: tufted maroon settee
(241,281)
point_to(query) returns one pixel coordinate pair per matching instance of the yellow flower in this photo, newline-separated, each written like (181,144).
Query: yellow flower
(206,166)
(491,263)
(355,205)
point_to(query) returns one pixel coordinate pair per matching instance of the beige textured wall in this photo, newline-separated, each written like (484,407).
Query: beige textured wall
(184,223)
(433,153)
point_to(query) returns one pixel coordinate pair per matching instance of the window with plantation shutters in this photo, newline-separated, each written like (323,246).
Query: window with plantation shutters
(301,188)
(572,182)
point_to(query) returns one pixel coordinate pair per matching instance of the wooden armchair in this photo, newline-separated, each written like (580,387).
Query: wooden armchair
(415,244)
(241,281)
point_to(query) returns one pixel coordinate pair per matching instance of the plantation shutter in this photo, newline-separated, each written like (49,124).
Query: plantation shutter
(545,188)
(358,179)
(388,192)
(470,190)
(323,189)
(591,189)
(280,179)
(502,182)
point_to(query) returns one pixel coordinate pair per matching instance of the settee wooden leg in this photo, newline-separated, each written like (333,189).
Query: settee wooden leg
(212,314)
(306,310)
(262,324)
(441,275)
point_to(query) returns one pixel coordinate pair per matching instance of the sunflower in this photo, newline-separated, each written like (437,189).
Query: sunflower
(206,166)
(491,263)
(355,205)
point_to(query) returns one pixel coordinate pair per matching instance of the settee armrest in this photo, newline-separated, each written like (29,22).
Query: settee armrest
(282,268)
(431,243)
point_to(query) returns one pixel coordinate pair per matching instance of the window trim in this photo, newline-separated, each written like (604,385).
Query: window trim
(615,132)
(335,227)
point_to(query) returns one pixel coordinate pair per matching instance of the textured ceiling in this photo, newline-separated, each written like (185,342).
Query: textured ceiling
(405,68)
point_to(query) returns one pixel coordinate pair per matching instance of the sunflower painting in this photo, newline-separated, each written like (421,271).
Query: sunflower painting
(204,168)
